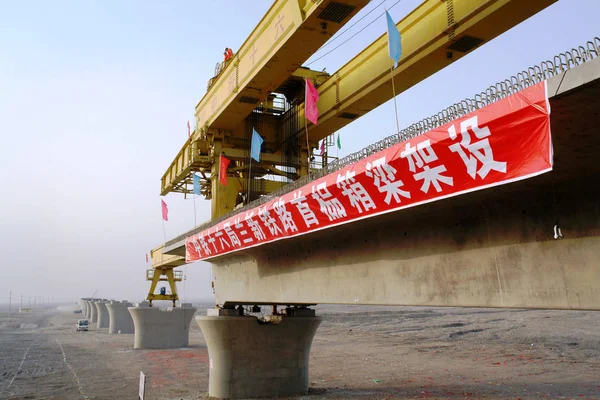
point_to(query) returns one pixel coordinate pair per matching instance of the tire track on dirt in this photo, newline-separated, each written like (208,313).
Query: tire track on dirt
(72,370)
(17,371)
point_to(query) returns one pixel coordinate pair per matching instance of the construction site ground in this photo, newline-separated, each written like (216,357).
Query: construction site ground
(358,352)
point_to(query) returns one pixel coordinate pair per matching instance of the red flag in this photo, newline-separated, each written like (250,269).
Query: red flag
(310,102)
(165,210)
(223,164)
(146,257)
(323,146)
(189,129)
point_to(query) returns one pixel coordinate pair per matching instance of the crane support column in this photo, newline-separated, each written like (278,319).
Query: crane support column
(252,358)
(167,274)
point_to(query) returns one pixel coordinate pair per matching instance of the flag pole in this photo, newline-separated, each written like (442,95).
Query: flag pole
(194,200)
(392,70)
(307,145)
(394,93)
(164,232)
(249,178)
(184,279)
(306,129)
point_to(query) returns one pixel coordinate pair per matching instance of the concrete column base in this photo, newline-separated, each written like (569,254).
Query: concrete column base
(103,318)
(86,312)
(93,318)
(251,359)
(84,308)
(87,308)
(120,320)
(161,329)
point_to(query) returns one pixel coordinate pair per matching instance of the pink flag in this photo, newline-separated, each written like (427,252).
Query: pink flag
(323,146)
(189,131)
(165,210)
(223,164)
(310,102)
(146,257)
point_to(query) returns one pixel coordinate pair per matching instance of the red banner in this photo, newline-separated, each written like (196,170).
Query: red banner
(504,142)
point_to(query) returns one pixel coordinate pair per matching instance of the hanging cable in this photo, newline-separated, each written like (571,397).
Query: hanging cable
(351,26)
(347,40)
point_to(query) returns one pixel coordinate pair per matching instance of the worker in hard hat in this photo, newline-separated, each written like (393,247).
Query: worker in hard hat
(227,54)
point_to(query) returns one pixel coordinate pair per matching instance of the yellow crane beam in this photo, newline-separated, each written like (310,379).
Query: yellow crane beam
(160,260)
(289,33)
(434,35)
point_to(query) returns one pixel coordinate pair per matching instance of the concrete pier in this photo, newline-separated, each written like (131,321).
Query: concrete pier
(102,312)
(120,320)
(83,305)
(93,317)
(86,308)
(91,307)
(161,329)
(252,359)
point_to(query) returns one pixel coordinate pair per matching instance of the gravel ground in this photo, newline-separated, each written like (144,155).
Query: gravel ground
(358,352)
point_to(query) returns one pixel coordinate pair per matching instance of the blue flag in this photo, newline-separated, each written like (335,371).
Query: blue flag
(256,145)
(196,184)
(394,40)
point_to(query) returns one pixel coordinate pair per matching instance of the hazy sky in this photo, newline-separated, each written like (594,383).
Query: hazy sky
(94,100)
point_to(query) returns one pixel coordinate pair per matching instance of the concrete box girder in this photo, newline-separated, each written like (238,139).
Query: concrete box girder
(492,248)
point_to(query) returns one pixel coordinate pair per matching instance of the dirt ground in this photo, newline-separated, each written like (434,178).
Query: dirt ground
(358,352)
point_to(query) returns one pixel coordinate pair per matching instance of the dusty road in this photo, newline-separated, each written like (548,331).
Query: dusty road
(358,352)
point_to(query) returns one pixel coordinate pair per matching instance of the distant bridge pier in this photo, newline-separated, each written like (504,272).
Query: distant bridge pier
(102,314)
(91,306)
(161,329)
(93,312)
(84,307)
(85,311)
(252,358)
(120,320)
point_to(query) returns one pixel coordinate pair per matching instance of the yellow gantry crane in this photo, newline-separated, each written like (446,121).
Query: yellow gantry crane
(262,87)
(163,270)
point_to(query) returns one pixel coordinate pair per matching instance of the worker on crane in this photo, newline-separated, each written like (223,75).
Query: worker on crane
(227,54)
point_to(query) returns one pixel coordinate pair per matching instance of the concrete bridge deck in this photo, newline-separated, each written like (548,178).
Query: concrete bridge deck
(492,248)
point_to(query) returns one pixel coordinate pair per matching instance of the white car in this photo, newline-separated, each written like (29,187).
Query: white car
(82,325)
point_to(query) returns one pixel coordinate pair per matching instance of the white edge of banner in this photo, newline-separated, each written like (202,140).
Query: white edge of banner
(475,189)
(551,149)
(504,182)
